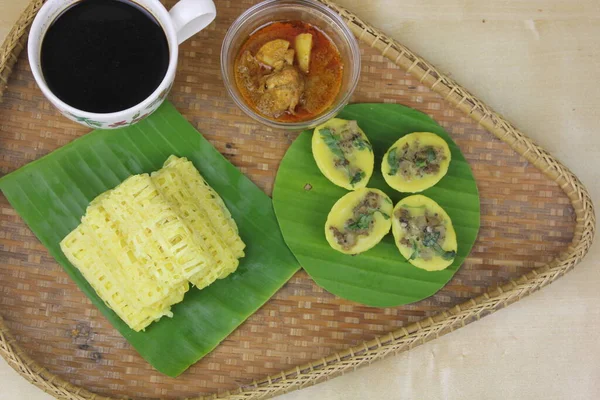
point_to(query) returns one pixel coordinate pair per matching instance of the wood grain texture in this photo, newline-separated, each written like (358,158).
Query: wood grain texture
(526,219)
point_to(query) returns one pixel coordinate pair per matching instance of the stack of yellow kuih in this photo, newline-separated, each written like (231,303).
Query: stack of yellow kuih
(140,244)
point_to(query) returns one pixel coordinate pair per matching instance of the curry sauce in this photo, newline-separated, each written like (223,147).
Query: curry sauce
(284,92)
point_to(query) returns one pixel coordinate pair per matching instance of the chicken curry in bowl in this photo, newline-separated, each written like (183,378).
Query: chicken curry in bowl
(289,71)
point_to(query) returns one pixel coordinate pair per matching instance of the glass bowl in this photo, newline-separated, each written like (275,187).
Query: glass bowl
(308,11)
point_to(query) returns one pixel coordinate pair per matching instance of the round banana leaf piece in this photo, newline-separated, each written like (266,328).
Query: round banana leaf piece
(381,277)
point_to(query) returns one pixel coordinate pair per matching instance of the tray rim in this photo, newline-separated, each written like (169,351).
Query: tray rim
(404,338)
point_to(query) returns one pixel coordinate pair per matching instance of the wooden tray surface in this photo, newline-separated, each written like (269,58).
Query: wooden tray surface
(526,221)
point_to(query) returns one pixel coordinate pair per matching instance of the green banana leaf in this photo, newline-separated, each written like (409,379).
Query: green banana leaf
(52,193)
(380,277)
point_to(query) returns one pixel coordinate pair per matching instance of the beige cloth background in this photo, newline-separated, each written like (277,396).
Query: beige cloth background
(537,62)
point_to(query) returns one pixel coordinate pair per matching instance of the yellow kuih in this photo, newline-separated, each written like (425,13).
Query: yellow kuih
(343,153)
(358,221)
(416,162)
(424,233)
(140,244)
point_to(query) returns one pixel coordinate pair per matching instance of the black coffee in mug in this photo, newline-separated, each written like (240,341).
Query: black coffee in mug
(104,56)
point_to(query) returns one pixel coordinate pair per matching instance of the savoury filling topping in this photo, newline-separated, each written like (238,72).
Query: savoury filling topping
(362,221)
(342,142)
(423,234)
(416,160)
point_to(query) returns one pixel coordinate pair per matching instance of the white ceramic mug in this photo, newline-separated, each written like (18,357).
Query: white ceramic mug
(185,19)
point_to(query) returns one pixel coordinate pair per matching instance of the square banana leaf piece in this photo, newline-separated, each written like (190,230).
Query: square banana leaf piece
(52,193)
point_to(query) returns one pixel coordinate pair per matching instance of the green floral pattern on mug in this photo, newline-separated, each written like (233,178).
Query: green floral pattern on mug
(88,121)
(160,97)
(138,116)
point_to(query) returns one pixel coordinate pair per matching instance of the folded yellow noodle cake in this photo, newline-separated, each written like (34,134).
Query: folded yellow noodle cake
(141,243)
(177,193)
(82,251)
(215,208)
(117,251)
(158,235)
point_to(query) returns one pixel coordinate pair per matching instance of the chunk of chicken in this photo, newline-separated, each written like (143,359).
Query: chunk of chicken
(249,72)
(275,54)
(283,90)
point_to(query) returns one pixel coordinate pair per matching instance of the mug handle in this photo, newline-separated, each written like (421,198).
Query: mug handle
(191,16)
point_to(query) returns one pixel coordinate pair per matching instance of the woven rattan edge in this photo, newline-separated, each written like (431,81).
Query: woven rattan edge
(407,337)
(15,42)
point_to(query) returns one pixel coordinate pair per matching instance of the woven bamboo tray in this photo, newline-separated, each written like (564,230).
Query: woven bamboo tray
(537,222)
